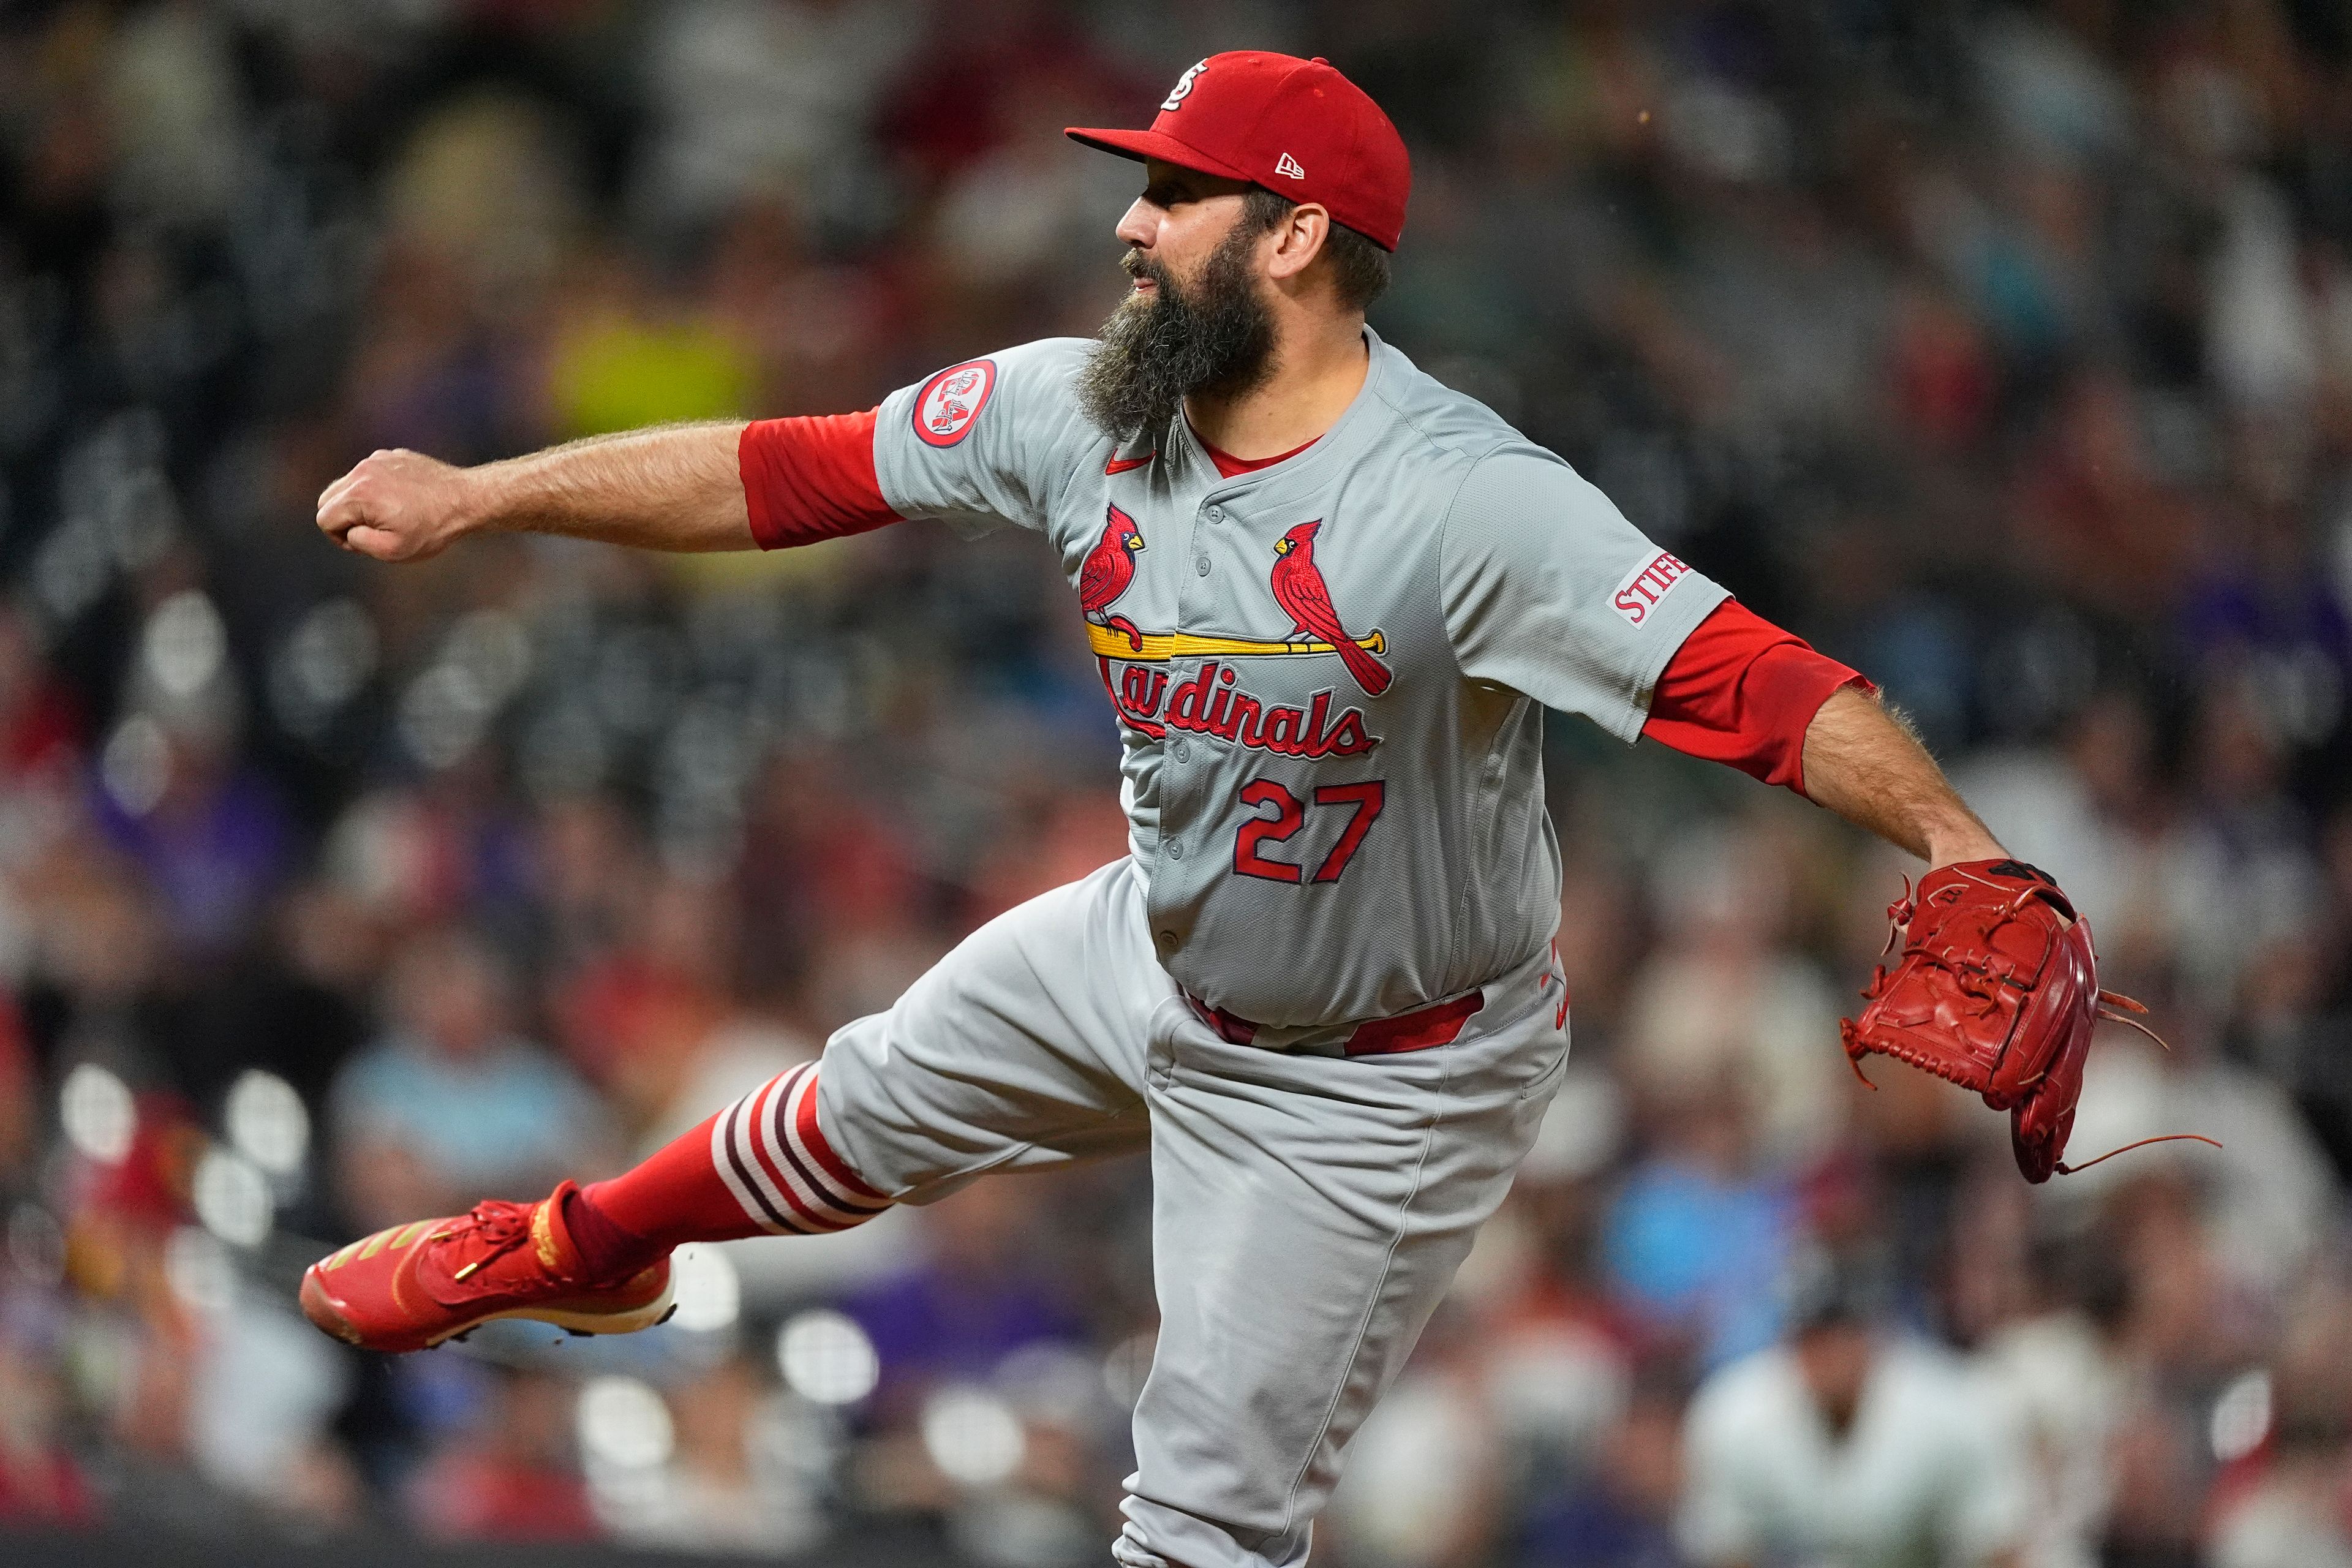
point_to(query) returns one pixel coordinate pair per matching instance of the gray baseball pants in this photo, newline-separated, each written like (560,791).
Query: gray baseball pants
(1308,1208)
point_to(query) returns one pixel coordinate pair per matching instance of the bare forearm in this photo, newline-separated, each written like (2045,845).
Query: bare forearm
(674,487)
(1864,763)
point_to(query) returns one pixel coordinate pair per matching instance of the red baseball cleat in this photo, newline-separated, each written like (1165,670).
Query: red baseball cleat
(414,1286)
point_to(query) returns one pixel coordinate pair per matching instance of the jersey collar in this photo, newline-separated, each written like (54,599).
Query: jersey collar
(1302,472)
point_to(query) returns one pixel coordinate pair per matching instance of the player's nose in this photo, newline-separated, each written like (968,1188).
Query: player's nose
(1140,225)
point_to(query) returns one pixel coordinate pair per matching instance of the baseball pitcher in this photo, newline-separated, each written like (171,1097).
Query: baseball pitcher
(1329,600)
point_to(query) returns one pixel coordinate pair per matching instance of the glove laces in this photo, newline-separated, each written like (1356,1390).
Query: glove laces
(1976,981)
(2117,1008)
(2064,1169)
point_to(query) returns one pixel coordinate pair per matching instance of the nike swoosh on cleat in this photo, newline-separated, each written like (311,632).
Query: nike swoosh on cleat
(1118,464)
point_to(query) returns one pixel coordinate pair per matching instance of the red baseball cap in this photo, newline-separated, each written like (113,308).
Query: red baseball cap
(1297,127)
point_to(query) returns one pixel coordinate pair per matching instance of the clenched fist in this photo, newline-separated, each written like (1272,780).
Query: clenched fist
(398,506)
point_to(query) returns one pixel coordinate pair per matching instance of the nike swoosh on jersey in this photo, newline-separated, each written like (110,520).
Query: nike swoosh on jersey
(1118,464)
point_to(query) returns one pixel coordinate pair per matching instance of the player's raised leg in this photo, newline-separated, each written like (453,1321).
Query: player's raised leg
(596,1259)
(1025,1046)
(1309,1213)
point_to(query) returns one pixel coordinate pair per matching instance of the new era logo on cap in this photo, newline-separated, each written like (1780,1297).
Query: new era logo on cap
(1293,126)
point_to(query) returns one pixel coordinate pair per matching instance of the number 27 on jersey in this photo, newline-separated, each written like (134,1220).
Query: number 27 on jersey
(1361,801)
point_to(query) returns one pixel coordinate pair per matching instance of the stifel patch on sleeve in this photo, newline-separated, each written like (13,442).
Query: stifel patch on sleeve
(1646,585)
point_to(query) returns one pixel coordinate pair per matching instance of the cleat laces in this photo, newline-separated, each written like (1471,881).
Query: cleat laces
(490,1230)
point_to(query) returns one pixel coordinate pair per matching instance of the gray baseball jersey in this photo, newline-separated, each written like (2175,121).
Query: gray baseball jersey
(1329,673)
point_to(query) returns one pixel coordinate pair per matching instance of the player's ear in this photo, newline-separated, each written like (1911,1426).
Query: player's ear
(1298,240)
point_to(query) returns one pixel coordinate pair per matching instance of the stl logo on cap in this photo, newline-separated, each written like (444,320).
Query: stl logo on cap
(1183,88)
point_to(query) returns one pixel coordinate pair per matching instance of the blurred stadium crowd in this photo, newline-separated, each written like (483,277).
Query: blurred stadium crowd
(2003,351)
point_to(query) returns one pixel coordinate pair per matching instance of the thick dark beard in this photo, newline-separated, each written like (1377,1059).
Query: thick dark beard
(1156,348)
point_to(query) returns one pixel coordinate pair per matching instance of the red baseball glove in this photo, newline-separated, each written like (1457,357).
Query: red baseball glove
(1998,991)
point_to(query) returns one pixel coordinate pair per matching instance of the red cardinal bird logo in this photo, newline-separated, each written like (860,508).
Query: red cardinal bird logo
(1109,568)
(1298,588)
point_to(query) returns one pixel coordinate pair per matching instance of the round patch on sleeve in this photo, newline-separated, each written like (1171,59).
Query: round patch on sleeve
(953,399)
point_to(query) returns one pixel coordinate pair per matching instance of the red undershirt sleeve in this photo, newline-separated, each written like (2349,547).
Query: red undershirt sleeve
(1741,690)
(808,478)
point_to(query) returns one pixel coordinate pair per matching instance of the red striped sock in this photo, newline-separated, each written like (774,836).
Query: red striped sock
(761,1167)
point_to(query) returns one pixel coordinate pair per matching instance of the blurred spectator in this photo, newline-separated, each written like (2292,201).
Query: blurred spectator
(40,726)
(1721,1003)
(1850,1444)
(2269,1193)
(1620,1515)
(2062,1365)
(634,1016)
(263,1392)
(2093,516)
(624,357)
(2295,1485)
(1423,1474)
(450,1106)
(979,1293)
(767,101)
(1697,1235)
(20,1119)
(2286,1435)
(40,1484)
(2298,1517)
(208,831)
(514,1476)
(729,1486)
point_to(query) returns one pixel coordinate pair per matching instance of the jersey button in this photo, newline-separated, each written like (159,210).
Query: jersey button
(1183,751)
(1216,514)
(1175,851)
(1200,566)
